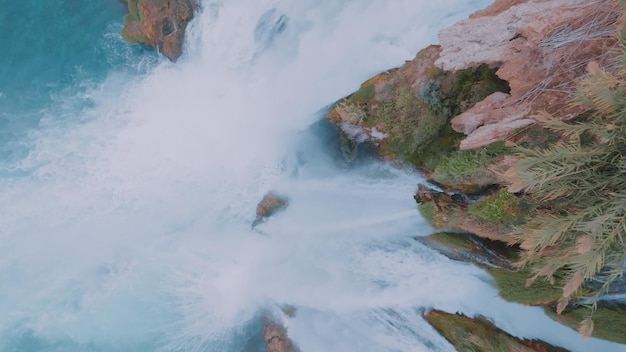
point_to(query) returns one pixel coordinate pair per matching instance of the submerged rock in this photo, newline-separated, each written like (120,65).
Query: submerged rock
(268,206)
(159,23)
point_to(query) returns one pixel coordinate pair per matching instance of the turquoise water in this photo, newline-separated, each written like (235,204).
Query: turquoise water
(52,51)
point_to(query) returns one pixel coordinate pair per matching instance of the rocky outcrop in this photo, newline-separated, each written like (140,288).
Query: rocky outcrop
(442,201)
(271,204)
(480,334)
(467,247)
(539,47)
(159,23)
(276,338)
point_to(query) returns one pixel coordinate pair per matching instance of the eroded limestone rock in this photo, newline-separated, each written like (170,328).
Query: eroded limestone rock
(539,47)
(159,23)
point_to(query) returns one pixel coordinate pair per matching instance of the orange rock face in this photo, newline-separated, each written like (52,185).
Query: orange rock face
(276,338)
(159,23)
(539,47)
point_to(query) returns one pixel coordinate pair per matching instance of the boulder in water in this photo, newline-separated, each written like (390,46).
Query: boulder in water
(276,338)
(268,206)
(159,23)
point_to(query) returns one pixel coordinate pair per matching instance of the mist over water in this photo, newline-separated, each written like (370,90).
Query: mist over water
(128,191)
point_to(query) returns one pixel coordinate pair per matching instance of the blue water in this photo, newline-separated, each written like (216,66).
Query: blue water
(52,51)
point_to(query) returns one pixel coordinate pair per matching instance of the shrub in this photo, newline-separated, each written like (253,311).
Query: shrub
(580,228)
(501,206)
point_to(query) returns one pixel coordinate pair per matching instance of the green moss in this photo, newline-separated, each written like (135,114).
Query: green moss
(480,334)
(451,93)
(133,15)
(447,95)
(512,287)
(453,240)
(499,207)
(464,166)
(427,210)
(410,123)
(363,95)
(609,322)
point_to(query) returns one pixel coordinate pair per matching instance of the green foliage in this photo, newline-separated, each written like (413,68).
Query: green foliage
(410,123)
(447,95)
(440,148)
(580,228)
(512,287)
(500,206)
(468,165)
(452,93)
(582,185)
(453,240)
(362,95)
(480,335)
(610,322)
(427,210)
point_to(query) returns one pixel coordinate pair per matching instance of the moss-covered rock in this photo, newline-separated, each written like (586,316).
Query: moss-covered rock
(609,321)
(512,286)
(467,247)
(480,334)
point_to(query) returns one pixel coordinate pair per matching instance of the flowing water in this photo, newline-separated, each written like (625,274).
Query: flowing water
(128,185)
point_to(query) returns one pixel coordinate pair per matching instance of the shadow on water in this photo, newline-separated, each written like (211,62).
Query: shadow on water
(324,139)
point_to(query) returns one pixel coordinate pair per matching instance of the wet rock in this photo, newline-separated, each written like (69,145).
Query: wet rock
(480,334)
(159,23)
(467,247)
(442,201)
(276,338)
(271,204)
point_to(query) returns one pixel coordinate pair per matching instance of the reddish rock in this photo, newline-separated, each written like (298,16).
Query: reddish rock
(159,23)
(539,47)
(268,206)
(276,338)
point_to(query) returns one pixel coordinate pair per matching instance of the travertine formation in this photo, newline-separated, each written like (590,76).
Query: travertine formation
(539,48)
(159,23)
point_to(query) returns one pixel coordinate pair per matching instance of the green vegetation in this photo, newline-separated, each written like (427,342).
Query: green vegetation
(512,287)
(501,206)
(410,123)
(427,210)
(454,240)
(469,168)
(480,334)
(449,94)
(610,322)
(580,228)
(133,15)
(363,95)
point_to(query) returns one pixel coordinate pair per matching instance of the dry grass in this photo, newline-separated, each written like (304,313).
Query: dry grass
(567,51)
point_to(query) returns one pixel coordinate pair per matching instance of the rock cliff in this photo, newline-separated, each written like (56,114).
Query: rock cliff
(159,23)
(539,47)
